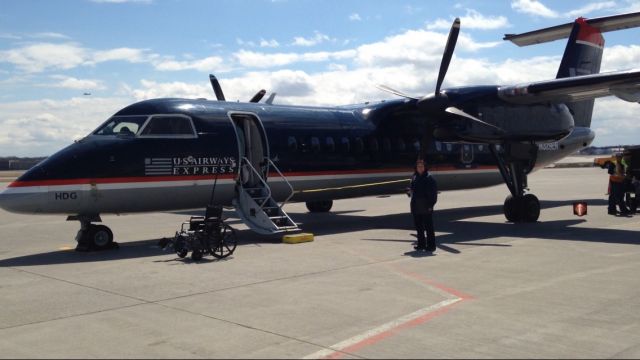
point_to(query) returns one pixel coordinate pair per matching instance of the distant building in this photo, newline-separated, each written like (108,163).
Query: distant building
(16,163)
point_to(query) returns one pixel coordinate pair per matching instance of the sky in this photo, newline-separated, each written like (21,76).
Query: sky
(68,65)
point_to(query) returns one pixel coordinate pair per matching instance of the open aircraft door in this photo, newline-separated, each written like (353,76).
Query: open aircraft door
(254,202)
(253,147)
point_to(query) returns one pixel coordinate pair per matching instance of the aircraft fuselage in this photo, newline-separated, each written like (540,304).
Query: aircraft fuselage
(324,152)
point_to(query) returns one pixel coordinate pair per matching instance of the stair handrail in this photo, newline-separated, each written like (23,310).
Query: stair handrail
(271,163)
(266,186)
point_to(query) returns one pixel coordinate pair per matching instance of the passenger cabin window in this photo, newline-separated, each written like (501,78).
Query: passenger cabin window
(359,145)
(292,144)
(345,145)
(374,147)
(315,144)
(121,125)
(386,145)
(330,144)
(172,126)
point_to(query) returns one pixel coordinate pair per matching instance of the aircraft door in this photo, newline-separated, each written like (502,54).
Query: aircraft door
(252,146)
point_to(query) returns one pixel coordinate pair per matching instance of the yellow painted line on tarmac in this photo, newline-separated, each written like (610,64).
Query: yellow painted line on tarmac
(356,186)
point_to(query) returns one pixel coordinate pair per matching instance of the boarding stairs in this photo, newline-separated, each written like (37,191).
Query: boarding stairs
(255,205)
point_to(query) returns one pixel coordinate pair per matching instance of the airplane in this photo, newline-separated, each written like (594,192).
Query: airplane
(173,154)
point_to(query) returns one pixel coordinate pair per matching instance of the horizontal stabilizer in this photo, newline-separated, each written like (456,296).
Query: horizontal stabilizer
(604,24)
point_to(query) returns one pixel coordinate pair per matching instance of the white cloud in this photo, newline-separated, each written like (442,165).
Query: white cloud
(123,54)
(591,8)
(38,128)
(318,38)
(152,89)
(472,20)
(77,84)
(209,64)
(46,56)
(49,35)
(355,17)
(252,59)
(621,57)
(42,56)
(269,43)
(533,7)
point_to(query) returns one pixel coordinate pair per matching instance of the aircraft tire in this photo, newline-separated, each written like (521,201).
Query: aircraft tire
(530,208)
(319,206)
(512,209)
(99,237)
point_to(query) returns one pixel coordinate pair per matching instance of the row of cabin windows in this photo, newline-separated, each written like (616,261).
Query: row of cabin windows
(373,145)
(345,144)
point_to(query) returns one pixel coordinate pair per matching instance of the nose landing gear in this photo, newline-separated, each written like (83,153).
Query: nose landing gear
(91,236)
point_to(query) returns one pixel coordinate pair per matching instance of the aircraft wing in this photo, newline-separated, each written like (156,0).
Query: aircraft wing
(622,84)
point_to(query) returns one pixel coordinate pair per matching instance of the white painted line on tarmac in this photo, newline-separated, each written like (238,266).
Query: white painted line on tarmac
(383,331)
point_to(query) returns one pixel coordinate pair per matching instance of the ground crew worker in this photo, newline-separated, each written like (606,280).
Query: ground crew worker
(424,195)
(617,187)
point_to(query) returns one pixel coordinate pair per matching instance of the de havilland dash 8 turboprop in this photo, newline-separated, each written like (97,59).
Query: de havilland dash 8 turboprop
(168,154)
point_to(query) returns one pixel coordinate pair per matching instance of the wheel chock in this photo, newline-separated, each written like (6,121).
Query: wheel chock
(297,238)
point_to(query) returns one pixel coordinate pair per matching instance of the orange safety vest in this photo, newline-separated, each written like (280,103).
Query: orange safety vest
(618,175)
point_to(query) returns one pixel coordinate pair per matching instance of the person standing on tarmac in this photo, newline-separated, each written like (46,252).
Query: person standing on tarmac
(617,187)
(424,195)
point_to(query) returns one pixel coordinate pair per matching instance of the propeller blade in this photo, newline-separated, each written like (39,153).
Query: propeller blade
(448,53)
(216,88)
(258,96)
(455,111)
(395,92)
(269,100)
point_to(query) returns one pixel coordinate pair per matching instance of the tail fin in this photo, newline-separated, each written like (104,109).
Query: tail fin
(583,54)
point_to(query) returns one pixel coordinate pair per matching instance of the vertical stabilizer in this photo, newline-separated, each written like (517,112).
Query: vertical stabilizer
(582,56)
(583,53)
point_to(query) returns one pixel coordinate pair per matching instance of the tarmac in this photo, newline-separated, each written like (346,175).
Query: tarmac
(564,287)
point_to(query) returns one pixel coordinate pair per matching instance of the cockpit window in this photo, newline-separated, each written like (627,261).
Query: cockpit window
(168,126)
(121,125)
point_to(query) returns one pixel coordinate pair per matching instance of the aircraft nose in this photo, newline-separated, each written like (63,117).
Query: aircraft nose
(4,198)
(14,200)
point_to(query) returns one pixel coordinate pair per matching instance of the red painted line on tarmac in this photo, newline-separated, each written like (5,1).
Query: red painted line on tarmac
(457,297)
(384,335)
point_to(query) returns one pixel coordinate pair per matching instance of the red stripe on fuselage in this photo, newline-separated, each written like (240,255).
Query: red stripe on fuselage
(147,179)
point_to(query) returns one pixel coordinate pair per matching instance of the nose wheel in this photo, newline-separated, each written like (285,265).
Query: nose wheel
(94,237)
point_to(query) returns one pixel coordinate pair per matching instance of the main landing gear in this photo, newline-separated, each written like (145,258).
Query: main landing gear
(319,206)
(91,236)
(515,163)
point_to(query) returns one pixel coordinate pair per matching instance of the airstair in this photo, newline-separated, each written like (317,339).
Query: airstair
(254,203)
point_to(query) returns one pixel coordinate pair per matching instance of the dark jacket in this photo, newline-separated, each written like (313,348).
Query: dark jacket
(424,193)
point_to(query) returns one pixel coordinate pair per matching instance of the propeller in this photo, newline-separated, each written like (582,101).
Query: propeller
(430,101)
(448,53)
(258,96)
(216,88)
(269,100)
(455,111)
(394,91)
(437,103)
